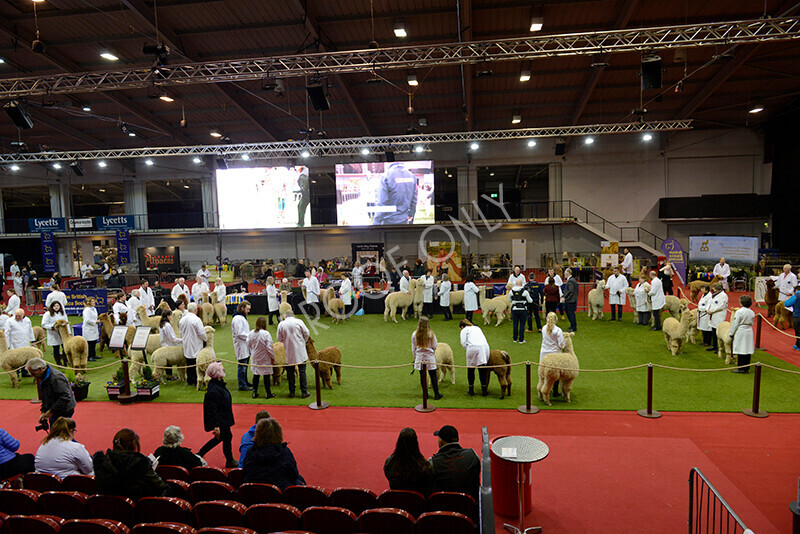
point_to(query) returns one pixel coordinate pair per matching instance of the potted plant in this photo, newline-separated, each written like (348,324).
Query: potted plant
(147,388)
(115,385)
(79,384)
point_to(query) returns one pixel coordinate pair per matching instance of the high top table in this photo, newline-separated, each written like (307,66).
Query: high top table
(528,451)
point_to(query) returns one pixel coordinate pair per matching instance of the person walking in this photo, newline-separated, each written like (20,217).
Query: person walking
(218,414)
(53,314)
(718,311)
(346,294)
(293,333)
(259,341)
(477,348)
(742,334)
(273,305)
(627,265)
(193,335)
(534,308)
(616,285)
(666,277)
(657,300)
(570,297)
(240,329)
(443,292)
(520,300)
(470,297)
(311,292)
(90,331)
(423,348)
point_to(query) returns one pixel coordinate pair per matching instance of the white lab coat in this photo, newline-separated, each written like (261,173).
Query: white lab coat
(117,308)
(657,300)
(240,329)
(552,342)
(512,279)
(272,298)
(444,293)
(90,331)
(197,291)
(785,284)
(133,317)
(616,289)
(703,317)
(470,297)
(311,286)
(405,285)
(221,292)
(474,342)
(358,277)
(718,308)
(148,301)
(260,344)
(168,337)
(193,334)
(724,271)
(426,355)
(178,290)
(204,274)
(427,288)
(641,297)
(742,331)
(19,333)
(627,264)
(14,269)
(293,333)
(13,305)
(86,270)
(345,291)
(56,296)
(48,321)
(18,287)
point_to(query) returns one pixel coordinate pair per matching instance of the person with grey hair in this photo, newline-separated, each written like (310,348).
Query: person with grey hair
(171,452)
(218,414)
(133,304)
(293,333)
(193,335)
(443,292)
(19,331)
(57,398)
(180,288)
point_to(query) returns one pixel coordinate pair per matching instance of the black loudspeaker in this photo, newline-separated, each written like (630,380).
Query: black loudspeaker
(389,156)
(19,115)
(561,147)
(318,96)
(651,72)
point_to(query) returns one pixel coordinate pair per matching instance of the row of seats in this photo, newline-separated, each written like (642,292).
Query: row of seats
(233,517)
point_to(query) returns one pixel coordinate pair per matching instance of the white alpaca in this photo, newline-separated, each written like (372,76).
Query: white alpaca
(205,357)
(152,321)
(675,331)
(167,357)
(399,300)
(76,348)
(691,335)
(333,305)
(561,366)
(597,300)
(724,340)
(445,363)
(497,306)
(284,306)
(417,293)
(675,306)
(220,310)
(11,359)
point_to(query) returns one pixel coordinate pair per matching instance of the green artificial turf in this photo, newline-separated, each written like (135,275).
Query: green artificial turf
(368,341)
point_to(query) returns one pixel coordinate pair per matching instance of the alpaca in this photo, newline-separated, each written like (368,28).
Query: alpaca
(771,297)
(675,331)
(151,321)
(783,317)
(39,337)
(106,327)
(207,310)
(280,362)
(456,299)
(675,306)
(724,340)
(175,321)
(561,366)
(503,371)
(205,357)
(398,299)
(419,287)
(327,357)
(162,307)
(166,357)
(445,362)
(695,286)
(220,310)
(13,359)
(691,335)
(76,348)
(138,357)
(597,301)
(334,306)
(284,306)
(325,295)
(498,306)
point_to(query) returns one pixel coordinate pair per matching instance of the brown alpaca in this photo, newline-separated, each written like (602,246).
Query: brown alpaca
(694,287)
(327,357)
(771,297)
(501,358)
(783,317)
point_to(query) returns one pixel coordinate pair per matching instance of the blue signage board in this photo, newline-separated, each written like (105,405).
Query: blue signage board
(49,252)
(77,297)
(47,225)
(123,247)
(114,222)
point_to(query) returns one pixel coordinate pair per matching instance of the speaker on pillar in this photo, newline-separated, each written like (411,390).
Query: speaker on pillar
(317,93)
(389,156)
(561,147)
(18,115)
(651,72)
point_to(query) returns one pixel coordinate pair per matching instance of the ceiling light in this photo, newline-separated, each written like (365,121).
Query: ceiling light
(186,187)
(148,162)
(536,24)
(124,127)
(647,137)
(56,165)
(419,149)
(37,1)
(474,146)
(215,133)
(2,61)
(131,134)
(516,119)
(756,108)
(102,164)
(491,174)
(166,98)
(15,167)
(246,157)
(531,143)
(589,140)
(197,160)
(107,55)
(365,152)
(400,29)
(305,153)
(412,80)
(102,190)
(525,76)
(87,109)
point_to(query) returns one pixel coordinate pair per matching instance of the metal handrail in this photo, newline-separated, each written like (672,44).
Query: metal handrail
(708,516)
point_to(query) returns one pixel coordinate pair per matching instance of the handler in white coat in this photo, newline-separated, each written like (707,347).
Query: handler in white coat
(180,288)
(443,292)
(427,282)
(405,283)
(259,341)
(56,295)
(90,332)
(16,278)
(703,317)
(513,277)
(240,329)
(627,265)
(120,307)
(220,290)
(193,335)
(657,300)
(346,293)
(640,295)
(53,314)
(311,292)
(13,303)
(133,304)
(358,276)
(616,285)
(470,297)
(198,289)
(474,342)
(19,331)
(146,296)
(724,270)
(273,304)
(293,333)
(742,334)
(718,311)
(785,282)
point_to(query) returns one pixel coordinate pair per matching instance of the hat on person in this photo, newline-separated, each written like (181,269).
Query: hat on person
(447,433)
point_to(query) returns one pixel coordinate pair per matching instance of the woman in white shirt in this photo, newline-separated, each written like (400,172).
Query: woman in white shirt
(718,310)
(474,342)
(219,289)
(120,307)
(470,297)
(552,341)
(13,302)
(167,336)
(703,318)
(133,304)
(423,348)
(345,293)
(60,455)
(259,341)
(90,331)
(444,296)
(53,314)
(273,303)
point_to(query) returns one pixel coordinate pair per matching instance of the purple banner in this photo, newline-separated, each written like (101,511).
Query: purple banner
(676,256)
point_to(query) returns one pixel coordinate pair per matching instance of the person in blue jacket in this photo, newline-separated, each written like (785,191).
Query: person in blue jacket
(247,438)
(397,196)
(12,463)
(269,460)
(791,302)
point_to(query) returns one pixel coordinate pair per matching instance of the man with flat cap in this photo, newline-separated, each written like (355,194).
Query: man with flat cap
(454,467)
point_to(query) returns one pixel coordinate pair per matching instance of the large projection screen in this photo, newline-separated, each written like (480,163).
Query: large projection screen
(399,192)
(263,197)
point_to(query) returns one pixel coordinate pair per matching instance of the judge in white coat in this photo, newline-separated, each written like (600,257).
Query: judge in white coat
(273,303)
(703,317)
(220,290)
(311,292)
(513,277)
(19,331)
(616,285)
(627,265)
(240,329)
(785,283)
(56,295)
(198,289)
(724,270)
(293,333)
(358,275)
(470,297)
(346,293)
(259,341)
(54,313)
(405,283)
(552,342)
(192,335)
(146,296)
(657,300)
(742,334)
(427,280)
(90,332)
(180,288)
(133,304)
(204,274)
(474,342)
(13,303)
(718,312)
(443,293)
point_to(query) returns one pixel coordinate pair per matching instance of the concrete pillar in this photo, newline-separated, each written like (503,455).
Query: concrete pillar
(59,200)
(136,202)
(555,190)
(210,210)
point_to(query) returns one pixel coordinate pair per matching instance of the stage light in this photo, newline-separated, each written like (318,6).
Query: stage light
(15,167)
(102,190)
(516,118)
(531,143)
(197,160)
(124,127)
(148,162)
(365,152)
(412,80)
(215,133)
(131,134)
(525,76)
(419,149)
(647,137)
(166,98)
(756,108)
(102,164)
(56,165)
(246,157)
(109,56)
(400,29)
(589,140)
(474,146)
(305,154)
(2,61)
(87,109)
(536,24)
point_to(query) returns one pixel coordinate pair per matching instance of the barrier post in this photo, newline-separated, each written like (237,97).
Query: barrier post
(319,405)
(528,408)
(424,407)
(125,396)
(754,411)
(649,412)
(759,320)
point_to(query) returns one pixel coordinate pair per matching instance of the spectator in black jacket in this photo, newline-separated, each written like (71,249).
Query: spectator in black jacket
(300,269)
(535,291)
(171,452)
(116,280)
(218,414)
(454,467)
(57,397)
(570,292)
(125,471)
(394,279)
(269,460)
(406,468)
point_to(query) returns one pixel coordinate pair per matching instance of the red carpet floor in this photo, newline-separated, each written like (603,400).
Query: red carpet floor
(607,471)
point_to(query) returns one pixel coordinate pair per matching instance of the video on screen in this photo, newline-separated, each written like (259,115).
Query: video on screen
(263,197)
(399,192)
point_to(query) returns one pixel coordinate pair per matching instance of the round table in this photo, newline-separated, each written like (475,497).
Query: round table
(527,451)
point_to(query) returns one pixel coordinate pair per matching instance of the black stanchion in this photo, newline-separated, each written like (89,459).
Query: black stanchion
(759,320)
(795,508)
(125,396)
(319,405)
(754,411)
(528,408)
(424,407)
(649,412)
